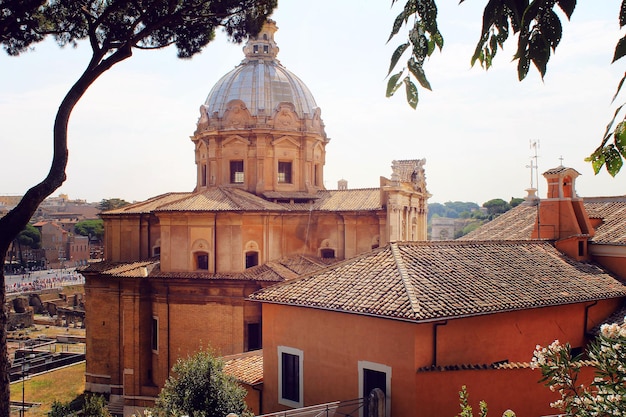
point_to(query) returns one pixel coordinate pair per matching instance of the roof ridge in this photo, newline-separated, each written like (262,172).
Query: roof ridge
(404,276)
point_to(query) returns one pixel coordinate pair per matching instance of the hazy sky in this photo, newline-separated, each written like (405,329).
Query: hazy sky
(129,135)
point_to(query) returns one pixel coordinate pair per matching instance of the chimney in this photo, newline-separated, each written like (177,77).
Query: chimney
(562,216)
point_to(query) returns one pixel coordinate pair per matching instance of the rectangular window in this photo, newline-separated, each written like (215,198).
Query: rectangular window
(290,378)
(371,376)
(236,172)
(203,260)
(203,175)
(316,174)
(284,172)
(154,339)
(254,336)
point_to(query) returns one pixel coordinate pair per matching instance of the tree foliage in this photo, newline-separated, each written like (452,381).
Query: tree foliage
(200,388)
(113,30)
(30,237)
(606,395)
(93,228)
(539,31)
(111,203)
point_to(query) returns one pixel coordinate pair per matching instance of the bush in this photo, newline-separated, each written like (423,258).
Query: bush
(606,395)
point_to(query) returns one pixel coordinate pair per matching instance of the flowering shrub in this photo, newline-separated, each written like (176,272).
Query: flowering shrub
(606,395)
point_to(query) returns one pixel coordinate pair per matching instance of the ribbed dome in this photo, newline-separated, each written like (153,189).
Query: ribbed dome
(261,82)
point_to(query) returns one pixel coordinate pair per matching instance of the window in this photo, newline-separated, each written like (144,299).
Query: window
(255,49)
(374,375)
(236,172)
(316,174)
(290,376)
(203,179)
(154,336)
(202,260)
(266,49)
(252,259)
(284,172)
(254,336)
(327,253)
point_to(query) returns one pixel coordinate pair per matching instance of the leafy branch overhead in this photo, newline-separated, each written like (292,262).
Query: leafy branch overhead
(539,31)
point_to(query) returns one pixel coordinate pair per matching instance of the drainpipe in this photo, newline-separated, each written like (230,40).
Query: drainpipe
(435,325)
(587,318)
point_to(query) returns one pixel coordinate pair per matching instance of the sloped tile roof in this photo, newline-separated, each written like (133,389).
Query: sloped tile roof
(423,281)
(273,271)
(147,206)
(245,367)
(518,223)
(234,199)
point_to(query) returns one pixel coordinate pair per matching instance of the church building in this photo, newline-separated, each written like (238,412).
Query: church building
(179,266)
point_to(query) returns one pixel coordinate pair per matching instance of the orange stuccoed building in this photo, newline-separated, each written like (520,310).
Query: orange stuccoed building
(419,320)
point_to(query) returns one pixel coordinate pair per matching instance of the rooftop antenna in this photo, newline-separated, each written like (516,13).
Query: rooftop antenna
(534,165)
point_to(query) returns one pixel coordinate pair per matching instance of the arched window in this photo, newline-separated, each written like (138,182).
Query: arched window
(327,253)
(200,255)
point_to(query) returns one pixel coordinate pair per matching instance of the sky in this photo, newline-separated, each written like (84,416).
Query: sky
(129,136)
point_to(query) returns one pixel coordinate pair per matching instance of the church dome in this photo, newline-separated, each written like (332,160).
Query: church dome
(261,82)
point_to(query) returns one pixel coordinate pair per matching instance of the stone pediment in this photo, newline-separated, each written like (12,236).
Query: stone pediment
(286,140)
(235,139)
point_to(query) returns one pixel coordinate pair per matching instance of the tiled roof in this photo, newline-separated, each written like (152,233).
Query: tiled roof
(234,199)
(505,365)
(423,281)
(147,206)
(518,223)
(273,271)
(137,269)
(245,367)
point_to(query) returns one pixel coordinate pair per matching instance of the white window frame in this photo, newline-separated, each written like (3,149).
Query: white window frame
(300,354)
(380,368)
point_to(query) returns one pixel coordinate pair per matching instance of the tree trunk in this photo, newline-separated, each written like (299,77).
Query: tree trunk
(18,218)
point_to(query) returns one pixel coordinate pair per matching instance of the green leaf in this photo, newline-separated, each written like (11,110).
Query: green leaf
(620,49)
(418,71)
(397,24)
(596,160)
(411,92)
(619,87)
(393,84)
(396,56)
(612,160)
(567,6)
(620,138)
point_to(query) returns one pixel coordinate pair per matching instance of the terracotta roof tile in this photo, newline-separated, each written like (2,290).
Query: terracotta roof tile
(422,281)
(518,223)
(234,199)
(245,367)
(147,206)
(274,271)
